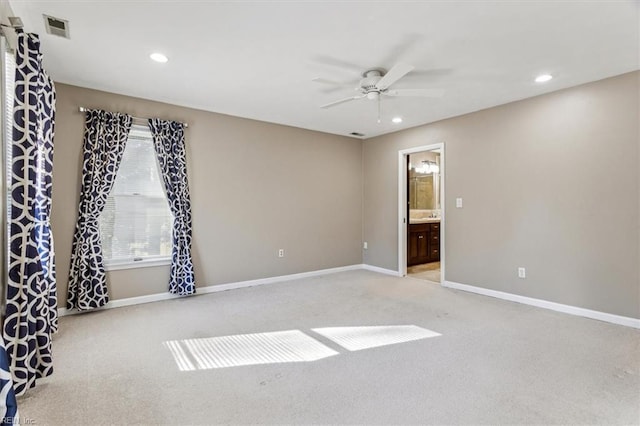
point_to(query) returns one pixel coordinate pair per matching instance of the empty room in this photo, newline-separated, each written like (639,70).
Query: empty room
(320,212)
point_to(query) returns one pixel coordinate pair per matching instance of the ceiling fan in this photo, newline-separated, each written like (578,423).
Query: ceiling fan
(376,83)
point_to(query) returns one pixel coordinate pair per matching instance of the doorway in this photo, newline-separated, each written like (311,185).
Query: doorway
(421,213)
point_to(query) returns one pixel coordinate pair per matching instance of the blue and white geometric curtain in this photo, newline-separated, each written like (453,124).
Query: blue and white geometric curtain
(105,136)
(31,313)
(168,139)
(8,403)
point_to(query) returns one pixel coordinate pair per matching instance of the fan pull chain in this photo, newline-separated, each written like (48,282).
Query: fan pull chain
(379,120)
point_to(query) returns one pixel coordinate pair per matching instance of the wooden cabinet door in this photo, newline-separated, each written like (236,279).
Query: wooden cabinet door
(423,246)
(412,249)
(418,247)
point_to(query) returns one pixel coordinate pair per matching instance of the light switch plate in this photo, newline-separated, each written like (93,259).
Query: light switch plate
(459,203)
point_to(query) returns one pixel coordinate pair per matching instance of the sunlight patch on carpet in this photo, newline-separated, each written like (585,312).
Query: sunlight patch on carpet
(179,355)
(358,338)
(246,349)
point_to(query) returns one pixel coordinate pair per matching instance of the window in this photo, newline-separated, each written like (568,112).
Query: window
(136,223)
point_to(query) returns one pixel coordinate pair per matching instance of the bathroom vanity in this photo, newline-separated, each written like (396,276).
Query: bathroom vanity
(423,242)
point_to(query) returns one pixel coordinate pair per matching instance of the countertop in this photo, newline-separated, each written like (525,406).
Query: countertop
(425,220)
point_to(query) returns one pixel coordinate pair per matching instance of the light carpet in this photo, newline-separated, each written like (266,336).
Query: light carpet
(480,360)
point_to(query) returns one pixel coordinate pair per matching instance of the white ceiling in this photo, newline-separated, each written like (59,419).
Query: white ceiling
(257,59)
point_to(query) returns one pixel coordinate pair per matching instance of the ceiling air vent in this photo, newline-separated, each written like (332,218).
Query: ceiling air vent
(357,134)
(56,26)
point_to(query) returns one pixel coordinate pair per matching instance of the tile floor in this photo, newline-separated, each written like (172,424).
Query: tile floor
(425,271)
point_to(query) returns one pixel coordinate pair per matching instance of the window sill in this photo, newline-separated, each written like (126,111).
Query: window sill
(131,264)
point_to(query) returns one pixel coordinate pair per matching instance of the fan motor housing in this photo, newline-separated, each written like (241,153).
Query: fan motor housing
(371,77)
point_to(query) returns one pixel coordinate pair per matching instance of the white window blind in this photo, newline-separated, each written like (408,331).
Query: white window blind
(9,71)
(136,223)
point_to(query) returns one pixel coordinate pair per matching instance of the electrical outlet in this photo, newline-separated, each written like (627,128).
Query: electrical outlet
(522,273)
(365,245)
(281,253)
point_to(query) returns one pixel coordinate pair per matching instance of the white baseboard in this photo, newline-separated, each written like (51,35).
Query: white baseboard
(124,302)
(380,270)
(567,309)
(213,288)
(271,280)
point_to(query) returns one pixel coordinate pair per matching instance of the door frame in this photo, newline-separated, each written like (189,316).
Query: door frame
(403,220)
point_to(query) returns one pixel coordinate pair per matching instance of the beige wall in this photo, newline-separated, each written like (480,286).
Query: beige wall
(255,187)
(549,183)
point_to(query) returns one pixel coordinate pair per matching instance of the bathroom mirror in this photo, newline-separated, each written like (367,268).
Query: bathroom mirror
(424,181)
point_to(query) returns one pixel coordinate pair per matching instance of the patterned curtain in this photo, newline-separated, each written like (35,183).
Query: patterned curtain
(8,404)
(105,136)
(168,138)
(31,311)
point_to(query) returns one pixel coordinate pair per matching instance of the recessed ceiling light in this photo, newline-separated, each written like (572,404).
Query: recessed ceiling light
(543,78)
(159,57)
(397,120)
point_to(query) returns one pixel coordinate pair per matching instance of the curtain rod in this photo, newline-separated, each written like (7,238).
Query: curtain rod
(83,109)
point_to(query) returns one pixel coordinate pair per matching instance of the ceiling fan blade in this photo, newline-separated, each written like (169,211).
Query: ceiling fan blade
(353,98)
(332,82)
(402,48)
(432,72)
(424,93)
(398,71)
(338,63)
